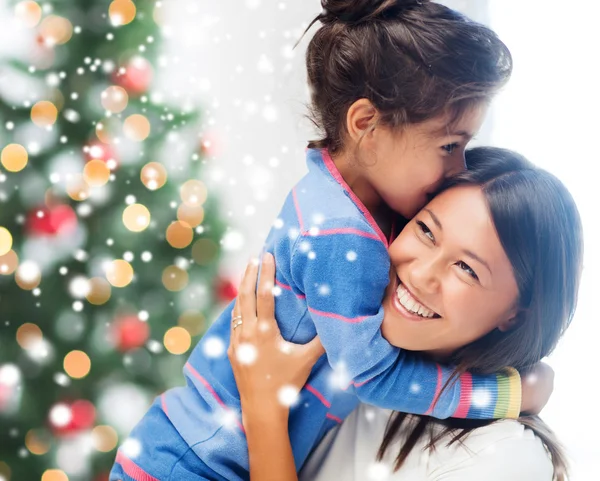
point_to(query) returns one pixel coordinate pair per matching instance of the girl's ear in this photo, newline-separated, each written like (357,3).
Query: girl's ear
(361,116)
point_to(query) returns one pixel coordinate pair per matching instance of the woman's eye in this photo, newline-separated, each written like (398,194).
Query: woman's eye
(450,148)
(465,267)
(426,231)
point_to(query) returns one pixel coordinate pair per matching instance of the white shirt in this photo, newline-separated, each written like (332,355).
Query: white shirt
(505,450)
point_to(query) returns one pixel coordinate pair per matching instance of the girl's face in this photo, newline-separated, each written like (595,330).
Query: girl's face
(451,281)
(409,165)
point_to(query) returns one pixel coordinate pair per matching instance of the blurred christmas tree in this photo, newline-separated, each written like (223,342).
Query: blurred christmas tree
(109,243)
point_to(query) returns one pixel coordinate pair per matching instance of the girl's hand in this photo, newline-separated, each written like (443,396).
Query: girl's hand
(269,371)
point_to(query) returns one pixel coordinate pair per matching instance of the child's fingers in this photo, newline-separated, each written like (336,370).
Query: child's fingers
(265,307)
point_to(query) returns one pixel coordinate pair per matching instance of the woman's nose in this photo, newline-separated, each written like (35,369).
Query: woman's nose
(424,276)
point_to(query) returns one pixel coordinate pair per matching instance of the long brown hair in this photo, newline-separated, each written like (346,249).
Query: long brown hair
(539,227)
(413,60)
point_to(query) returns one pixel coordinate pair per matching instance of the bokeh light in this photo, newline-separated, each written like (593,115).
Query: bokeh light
(77,188)
(153,175)
(99,292)
(121,12)
(104,438)
(14,157)
(8,263)
(55,30)
(28,275)
(177,340)
(29,13)
(179,234)
(193,215)
(119,273)
(136,217)
(54,475)
(193,193)
(174,278)
(114,99)
(204,251)
(28,335)
(193,322)
(44,113)
(136,127)
(77,364)
(96,173)
(6,241)
(37,441)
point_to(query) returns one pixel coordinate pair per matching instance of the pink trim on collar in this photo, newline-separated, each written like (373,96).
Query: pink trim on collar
(340,180)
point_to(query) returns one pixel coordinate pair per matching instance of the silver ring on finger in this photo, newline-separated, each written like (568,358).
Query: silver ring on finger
(237,323)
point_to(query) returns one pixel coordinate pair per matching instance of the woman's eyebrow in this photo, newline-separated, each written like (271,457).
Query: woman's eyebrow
(434,218)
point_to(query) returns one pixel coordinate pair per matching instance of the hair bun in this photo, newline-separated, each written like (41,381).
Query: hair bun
(354,11)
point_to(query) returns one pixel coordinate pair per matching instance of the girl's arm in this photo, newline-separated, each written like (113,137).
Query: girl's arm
(269,373)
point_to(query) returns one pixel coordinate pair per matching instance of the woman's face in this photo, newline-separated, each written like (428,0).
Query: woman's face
(451,281)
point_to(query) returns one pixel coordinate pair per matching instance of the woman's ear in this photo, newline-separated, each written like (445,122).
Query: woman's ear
(361,117)
(509,324)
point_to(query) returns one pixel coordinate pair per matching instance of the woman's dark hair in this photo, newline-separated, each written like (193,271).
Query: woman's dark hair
(539,227)
(413,60)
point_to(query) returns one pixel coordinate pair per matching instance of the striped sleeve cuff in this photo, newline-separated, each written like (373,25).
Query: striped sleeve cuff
(508,404)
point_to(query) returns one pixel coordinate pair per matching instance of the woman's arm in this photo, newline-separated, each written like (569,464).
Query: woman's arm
(269,372)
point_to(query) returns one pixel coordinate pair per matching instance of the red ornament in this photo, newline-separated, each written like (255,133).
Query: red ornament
(130,333)
(50,221)
(137,76)
(226,290)
(100,151)
(210,144)
(83,417)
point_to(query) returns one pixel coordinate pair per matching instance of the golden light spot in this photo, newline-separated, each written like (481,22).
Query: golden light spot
(177,340)
(54,475)
(6,241)
(44,113)
(108,130)
(121,12)
(105,438)
(136,217)
(174,278)
(179,234)
(5,470)
(193,322)
(153,175)
(37,441)
(204,251)
(136,127)
(193,193)
(96,173)
(114,99)
(100,291)
(9,263)
(14,157)
(77,188)
(29,13)
(193,215)
(28,275)
(28,335)
(119,273)
(77,364)
(55,30)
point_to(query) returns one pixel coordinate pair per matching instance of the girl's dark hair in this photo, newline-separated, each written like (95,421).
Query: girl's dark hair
(414,60)
(538,225)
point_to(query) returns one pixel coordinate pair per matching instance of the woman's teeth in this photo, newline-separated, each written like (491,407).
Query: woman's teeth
(411,305)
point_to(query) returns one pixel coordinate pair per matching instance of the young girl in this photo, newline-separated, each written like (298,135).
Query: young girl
(399,88)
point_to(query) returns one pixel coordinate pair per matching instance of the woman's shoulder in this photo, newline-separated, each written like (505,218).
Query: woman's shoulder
(506,449)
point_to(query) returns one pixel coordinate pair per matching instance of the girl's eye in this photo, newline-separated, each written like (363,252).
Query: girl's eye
(450,148)
(465,267)
(426,231)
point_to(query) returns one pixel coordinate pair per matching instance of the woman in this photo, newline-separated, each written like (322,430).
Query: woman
(493,264)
